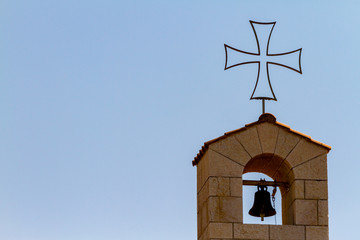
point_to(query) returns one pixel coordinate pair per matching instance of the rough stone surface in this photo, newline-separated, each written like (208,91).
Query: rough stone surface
(251,231)
(236,187)
(205,234)
(203,195)
(305,212)
(317,233)
(225,209)
(286,141)
(204,214)
(199,230)
(270,165)
(221,166)
(287,209)
(287,232)
(323,213)
(316,189)
(250,140)
(315,169)
(215,164)
(268,135)
(202,172)
(231,148)
(220,230)
(282,173)
(305,151)
(219,186)
(297,189)
(288,215)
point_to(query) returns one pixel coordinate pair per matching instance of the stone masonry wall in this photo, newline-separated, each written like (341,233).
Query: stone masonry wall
(299,161)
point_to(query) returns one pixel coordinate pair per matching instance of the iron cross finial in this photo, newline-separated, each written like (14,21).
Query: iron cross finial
(263,51)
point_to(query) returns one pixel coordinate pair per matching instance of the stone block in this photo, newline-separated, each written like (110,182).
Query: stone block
(286,202)
(316,189)
(220,230)
(305,212)
(205,234)
(202,172)
(279,170)
(317,233)
(203,195)
(286,141)
(323,213)
(221,166)
(250,140)
(282,173)
(199,229)
(288,215)
(304,151)
(215,164)
(251,231)
(297,189)
(231,148)
(268,164)
(287,232)
(259,164)
(268,135)
(236,187)
(315,169)
(219,186)
(225,209)
(204,217)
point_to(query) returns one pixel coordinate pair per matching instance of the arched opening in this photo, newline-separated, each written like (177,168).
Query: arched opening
(272,168)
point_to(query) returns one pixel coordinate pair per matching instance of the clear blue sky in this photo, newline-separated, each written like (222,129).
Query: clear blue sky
(104,104)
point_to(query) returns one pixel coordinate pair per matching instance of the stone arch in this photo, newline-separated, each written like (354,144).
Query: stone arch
(271,165)
(278,169)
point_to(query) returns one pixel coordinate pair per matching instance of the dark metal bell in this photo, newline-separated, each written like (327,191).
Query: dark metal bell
(262,204)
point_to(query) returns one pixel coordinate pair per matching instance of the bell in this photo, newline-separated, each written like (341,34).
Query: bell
(262,204)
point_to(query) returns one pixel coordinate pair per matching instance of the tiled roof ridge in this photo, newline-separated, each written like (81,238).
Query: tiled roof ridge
(266,117)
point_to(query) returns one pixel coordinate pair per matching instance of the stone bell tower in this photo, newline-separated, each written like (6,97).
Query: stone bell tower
(285,155)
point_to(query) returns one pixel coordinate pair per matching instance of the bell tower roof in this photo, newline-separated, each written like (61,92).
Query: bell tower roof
(264,118)
(296,163)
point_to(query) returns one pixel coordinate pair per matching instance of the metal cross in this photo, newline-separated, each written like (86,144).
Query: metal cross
(263,58)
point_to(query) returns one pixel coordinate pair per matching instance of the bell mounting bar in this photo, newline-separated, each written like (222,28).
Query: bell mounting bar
(266,183)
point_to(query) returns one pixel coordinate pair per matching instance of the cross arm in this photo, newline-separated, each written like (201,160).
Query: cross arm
(241,53)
